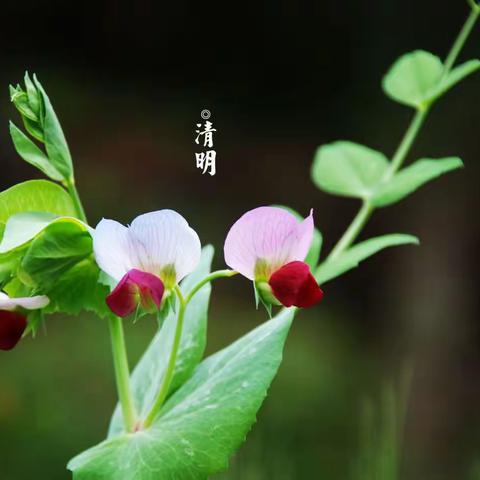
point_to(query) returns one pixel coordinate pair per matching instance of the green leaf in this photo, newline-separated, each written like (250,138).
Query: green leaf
(412,177)
(203,423)
(34,129)
(313,254)
(20,99)
(35,196)
(55,142)
(348,169)
(33,95)
(9,263)
(148,374)
(413,78)
(59,263)
(352,257)
(35,321)
(23,227)
(32,154)
(456,76)
(59,247)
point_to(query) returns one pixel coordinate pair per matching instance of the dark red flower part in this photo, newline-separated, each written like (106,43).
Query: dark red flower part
(12,326)
(293,284)
(136,287)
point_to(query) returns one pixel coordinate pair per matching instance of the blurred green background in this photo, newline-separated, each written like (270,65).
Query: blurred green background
(128,81)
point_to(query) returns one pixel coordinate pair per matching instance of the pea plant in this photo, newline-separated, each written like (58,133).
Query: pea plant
(178,416)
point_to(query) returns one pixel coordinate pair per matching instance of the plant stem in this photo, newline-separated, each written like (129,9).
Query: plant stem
(72,190)
(353,230)
(122,373)
(462,38)
(167,379)
(407,141)
(207,279)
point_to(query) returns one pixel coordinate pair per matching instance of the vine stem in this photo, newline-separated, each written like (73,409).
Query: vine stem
(122,373)
(73,192)
(462,37)
(207,279)
(168,377)
(407,141)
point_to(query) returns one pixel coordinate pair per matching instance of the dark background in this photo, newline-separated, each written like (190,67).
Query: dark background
(128,81)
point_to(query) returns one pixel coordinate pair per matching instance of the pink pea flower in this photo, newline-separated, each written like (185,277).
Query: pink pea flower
(12,321)
(146,259)
(268,245)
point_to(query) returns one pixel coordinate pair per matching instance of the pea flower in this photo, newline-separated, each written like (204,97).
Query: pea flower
(268,245)
(146,259)
(12,321)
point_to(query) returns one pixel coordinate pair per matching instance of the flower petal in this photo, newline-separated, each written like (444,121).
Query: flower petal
(167,241)
(32,303)
(12,326)
(293,284)
(267,233)
(136,287)
(113,249)
(29,303)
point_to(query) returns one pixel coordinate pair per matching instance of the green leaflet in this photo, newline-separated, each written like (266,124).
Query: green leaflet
(32,196)
(203,423)
(416,78)
(54,138)
(35,196)
(313,254)
(412,177)
(32,154)
(352,257)
(149,372)
(59,263)
(23,227)
(412,78)
(9,263)
(456,76)
(348,169)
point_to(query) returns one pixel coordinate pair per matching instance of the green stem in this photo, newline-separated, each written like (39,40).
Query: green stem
(352,231)
(122,373)
(407,141)
(168,377)
(207,279)
(462,38)
(72,190)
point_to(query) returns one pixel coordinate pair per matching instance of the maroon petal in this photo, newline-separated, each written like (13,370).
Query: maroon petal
(12,326)
(136,287)
(293,284)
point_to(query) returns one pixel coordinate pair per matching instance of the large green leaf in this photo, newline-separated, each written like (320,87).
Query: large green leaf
(148,374)
(54,138)
(414,176)
(413,78)
(32,154)
(352,257)
(59,263)
(203,423)
(35,196)
(348,169)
